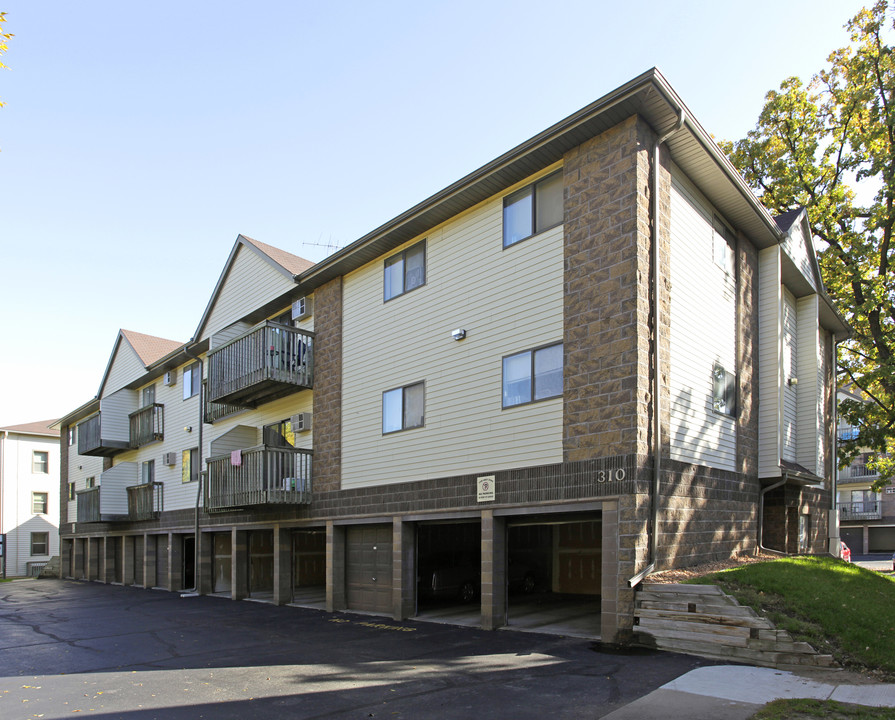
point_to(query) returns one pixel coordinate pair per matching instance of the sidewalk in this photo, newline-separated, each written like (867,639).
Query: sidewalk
(736,692)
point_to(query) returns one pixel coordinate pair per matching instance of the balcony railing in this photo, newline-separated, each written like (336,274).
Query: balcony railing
(145,501)
(147,425)
(866,510)
(91,441)
(860,471)
(215,411)
(266,363)
(263,476)
(88,505)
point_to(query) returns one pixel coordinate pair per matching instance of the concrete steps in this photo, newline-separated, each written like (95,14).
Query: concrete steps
(702,620)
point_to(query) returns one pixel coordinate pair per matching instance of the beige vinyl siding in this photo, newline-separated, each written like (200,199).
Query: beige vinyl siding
(797,247)
(228,333)
(790,370)
(115,409)
(114,483)
(124,368)
(507,301)
(810,423)
(237,438)
(703,332)
(250,283)
(769,361)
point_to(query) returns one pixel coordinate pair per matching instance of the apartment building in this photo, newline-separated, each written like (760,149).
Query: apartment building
(596,356)
(29,496)
(866,517)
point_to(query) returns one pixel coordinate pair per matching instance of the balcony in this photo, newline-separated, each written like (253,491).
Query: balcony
(268,362)
(91,441)
(88,504)
(216,411)
(866,510)
(147,425)
(264,476)
(859,470)
(145,501)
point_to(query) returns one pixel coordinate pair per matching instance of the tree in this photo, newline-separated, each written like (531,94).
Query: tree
(3,41)
(830,146)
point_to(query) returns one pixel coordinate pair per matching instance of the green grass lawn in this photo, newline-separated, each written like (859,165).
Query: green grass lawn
(840,608)
(808,709)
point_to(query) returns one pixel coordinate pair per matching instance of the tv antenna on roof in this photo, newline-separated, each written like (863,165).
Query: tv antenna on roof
(331,245)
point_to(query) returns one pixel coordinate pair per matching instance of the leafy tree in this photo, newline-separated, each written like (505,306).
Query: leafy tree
(829,145)
(3,41)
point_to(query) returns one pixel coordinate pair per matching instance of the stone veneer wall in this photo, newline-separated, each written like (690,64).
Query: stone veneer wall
(328,386)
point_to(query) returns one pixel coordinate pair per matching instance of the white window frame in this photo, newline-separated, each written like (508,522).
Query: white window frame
(401,394)
(533,376)
(40,462)
(45,543)
(45,503)
(192,380)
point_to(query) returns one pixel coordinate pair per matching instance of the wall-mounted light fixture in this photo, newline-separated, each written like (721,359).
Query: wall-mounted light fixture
(793,382)
(188,428)
(458,334)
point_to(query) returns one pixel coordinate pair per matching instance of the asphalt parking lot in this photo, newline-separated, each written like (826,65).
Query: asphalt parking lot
(120,652)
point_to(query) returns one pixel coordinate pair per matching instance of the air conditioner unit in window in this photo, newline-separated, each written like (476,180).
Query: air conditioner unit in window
(171,377)
(301,422)
(301,308)
(169,458)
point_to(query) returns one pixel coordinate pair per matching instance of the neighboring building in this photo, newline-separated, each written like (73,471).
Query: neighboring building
(867,518)
(462,401)
(29,495)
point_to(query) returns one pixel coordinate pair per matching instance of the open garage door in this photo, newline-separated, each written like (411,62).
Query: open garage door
(554,573)
(368,568)
(309,567)
(881,539)
(449,571)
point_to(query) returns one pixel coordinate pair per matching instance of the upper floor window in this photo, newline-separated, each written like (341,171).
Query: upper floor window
(189,465)
(405,271)
(71,491)
(533,209)
(39,502)
(279,434)
(148,471)
(40,462)
(148,395)
(40,543)
(403,408)
(192,380)
(723,390)
(91,482)
(72,435)
(723,248)
(532,375)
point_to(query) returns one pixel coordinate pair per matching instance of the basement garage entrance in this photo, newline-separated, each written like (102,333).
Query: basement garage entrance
(854,538)
(261,564)
(368,568)
(222,563)
(880,539)
(309,568)
(449,572)
(554,573)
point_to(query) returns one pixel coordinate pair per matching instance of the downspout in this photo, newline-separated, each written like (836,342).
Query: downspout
(195,587)
(835,540)
(657,357)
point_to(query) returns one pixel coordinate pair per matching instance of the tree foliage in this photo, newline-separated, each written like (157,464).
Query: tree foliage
(829,145)
(4,37)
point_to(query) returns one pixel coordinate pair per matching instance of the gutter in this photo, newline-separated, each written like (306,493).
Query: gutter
(834,539)
(657,357)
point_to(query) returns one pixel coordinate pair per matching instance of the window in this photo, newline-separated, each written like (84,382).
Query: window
(72,435)
(148,396)
(532,375)
(189,471)
(71,491)
(723,248)
(40,543)
(39,502)
(405,271)
(192,381)
(723,390)
(40,462)
(148,471)
(403,408)
(91,482)
(533,209)
(278,434)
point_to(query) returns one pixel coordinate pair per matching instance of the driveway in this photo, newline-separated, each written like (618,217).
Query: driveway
(119,652)
(881,562)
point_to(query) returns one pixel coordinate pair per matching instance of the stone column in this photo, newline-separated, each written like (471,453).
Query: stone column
(175,561)
(205,571)
(239,567)
(107,569)
(149,552)
(494,571)
(282,565)
(403,569)
(336,598)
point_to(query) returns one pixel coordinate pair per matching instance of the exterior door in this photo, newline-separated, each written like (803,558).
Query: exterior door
(368,572)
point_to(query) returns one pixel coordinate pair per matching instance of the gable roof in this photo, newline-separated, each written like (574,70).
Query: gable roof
(41,427)
(148,347)
(287,264)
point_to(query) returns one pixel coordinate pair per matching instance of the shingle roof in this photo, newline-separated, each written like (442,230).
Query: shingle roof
(42,427)
(785,221)
(148,347)
(292,263)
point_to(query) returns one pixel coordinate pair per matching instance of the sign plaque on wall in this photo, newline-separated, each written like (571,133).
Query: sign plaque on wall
(485,488)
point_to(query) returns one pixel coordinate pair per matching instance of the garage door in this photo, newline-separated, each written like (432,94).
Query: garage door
(882,539)
(854,538)
(368,571)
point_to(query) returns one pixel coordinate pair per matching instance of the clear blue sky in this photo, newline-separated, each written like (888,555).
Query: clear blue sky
(138,139)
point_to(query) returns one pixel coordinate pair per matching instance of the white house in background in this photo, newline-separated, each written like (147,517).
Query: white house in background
(29,495)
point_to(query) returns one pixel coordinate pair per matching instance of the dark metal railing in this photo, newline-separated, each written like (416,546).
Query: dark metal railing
(146,501)
(267,362)
(89,434)
(862,510)
(264,475)
(147,425)
(88,505)
(859,470)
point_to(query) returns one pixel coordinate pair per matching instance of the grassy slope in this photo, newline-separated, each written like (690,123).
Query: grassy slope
(838,607)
